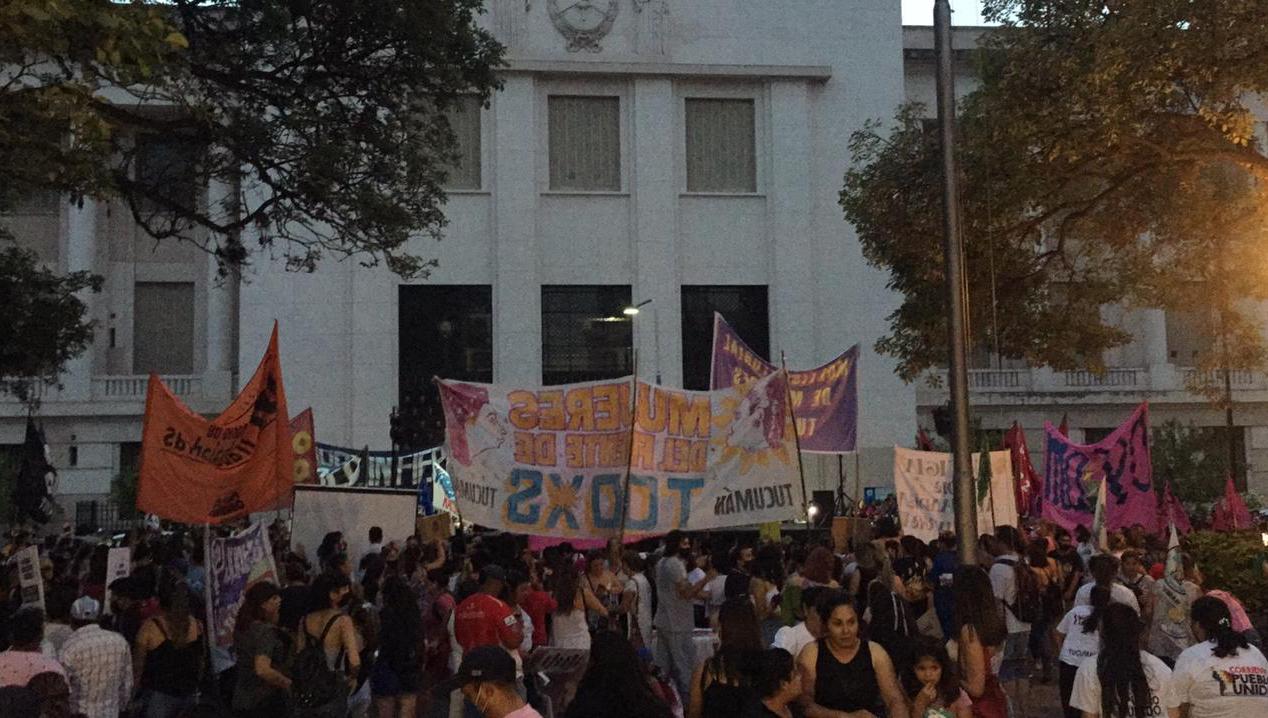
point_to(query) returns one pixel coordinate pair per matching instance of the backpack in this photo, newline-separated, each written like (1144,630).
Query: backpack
(1028,606)
(314,684)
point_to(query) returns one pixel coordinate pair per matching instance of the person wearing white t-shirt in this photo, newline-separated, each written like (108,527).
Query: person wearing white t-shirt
(1222,675)
(1104,570)
(1079,636)
(1111,684)
(795,638)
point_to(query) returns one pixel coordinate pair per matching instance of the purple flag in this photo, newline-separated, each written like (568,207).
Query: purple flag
(825,400)
(1073,472)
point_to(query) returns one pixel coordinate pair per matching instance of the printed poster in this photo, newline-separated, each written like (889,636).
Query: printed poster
(825,400)
(118,565)
(234,564)
(1072,473)
(925,492)
(552,461)
(342,467)
(209,472)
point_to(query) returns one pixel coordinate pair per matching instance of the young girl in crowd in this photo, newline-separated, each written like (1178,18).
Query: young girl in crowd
(932,685)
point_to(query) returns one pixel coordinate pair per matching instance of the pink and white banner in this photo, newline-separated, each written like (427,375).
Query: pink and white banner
(1073,473)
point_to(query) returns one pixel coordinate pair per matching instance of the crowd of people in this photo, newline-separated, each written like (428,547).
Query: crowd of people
(688,626)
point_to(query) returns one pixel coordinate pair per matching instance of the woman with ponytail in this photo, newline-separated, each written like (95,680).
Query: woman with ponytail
(1123,681)
(1079,636)
(1221,675)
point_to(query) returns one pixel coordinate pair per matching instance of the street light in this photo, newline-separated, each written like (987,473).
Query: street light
(633,311)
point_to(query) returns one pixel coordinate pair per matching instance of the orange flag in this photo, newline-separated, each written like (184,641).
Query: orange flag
(208,472)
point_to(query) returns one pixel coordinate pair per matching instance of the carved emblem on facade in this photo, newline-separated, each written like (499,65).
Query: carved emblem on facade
(583,22)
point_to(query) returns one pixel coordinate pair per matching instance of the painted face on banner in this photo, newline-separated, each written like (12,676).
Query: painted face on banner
(486,432)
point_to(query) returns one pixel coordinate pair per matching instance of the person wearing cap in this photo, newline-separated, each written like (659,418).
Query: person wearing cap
(24,659)
(487,680)
(98,663)
(485,620)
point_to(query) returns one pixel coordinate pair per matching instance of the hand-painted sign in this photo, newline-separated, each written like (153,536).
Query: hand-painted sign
(922,481)
(556,461)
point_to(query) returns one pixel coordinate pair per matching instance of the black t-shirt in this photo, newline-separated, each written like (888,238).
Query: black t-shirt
(294,606)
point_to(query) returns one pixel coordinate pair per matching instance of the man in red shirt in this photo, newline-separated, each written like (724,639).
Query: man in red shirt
(483,619)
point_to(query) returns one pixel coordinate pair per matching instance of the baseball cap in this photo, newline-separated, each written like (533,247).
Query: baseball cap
(486,663)
(85,608)
(492,572)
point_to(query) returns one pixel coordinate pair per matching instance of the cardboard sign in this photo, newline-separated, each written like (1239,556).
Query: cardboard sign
(436,527)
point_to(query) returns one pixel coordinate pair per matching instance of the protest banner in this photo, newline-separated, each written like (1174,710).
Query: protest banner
(118,565)
(824,401)
(556,461)
(30,580)
(234,564)
(208,472)
(304,448)
(924,488)
(339,466)
(437,496)
(1072,473)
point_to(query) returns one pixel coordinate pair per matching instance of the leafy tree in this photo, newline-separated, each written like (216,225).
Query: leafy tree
(1108,157)
(43,318)
(321,125)
(1193,459)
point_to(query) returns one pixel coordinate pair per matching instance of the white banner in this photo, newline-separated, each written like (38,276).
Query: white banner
(30,580)
(922,482)
(552,461)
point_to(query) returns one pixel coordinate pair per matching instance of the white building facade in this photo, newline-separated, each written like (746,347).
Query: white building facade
(686,153)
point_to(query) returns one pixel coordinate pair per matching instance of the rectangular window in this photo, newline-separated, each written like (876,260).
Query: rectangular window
(585,143)
(163,328)
(585,334)
(129,458)
(745,308)
(464,120)
(1189,336)
(721,145)
(445,331)
(167,168)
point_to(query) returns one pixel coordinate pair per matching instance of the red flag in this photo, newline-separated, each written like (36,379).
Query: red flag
(1230,512)
(1027,484)
(1065,426)
(923,442)
(1173,512)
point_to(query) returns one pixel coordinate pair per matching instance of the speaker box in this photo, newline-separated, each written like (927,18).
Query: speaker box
(826,501)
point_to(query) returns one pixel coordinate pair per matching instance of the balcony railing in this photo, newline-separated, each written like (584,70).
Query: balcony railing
(1111,378)
(998,379)
(128,388)
(1239,378)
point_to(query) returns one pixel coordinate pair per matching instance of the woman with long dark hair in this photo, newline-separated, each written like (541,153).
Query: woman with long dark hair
(1079,636)
(720,686)
(845,673)
(262,650)
(569,627)
(1123,681)
(1222,674)
(978,622)
(167,654)
(615,684)
(397,674)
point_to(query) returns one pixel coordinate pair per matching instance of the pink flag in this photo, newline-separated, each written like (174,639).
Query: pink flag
(1074,472)
(1173,512)
(1026,481)
(1230,512)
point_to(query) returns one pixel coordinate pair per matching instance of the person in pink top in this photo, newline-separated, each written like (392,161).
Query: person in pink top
(24,660)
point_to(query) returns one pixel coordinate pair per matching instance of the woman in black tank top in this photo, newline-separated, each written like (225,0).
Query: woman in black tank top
(168,655)
(841,672)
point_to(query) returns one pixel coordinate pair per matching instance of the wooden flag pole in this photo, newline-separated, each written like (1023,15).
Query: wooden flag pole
(801,471)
